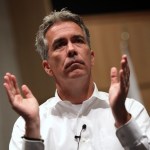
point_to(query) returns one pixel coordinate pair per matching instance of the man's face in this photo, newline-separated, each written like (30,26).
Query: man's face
(69,55)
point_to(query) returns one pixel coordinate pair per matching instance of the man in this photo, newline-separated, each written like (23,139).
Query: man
(79,116)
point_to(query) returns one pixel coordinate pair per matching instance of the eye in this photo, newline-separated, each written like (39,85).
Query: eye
(78,39)
(59,44)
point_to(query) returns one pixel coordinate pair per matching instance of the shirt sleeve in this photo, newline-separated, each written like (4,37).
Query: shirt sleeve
(131,137)
(17,142)
(135,134)
(31,145)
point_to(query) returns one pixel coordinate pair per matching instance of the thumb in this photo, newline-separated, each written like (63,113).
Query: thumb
(27,92)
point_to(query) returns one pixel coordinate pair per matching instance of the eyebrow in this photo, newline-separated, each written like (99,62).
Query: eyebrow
(62,38)
(57,40)
(78,36)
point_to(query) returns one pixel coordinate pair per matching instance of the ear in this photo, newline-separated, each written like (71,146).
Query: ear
(92,58)
(47,68)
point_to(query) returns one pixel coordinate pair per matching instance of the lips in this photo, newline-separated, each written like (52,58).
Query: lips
(73,62)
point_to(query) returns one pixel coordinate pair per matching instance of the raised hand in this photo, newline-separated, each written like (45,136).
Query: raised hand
(118,92)
(26,105)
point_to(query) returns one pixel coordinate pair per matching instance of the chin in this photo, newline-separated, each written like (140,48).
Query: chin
(77,74)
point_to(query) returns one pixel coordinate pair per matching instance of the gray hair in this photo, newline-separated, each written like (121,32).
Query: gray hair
(56,16)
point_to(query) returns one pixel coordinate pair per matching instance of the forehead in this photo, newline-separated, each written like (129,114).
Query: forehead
(62,29)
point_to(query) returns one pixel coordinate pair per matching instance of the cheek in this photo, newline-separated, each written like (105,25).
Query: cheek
(87,57)
(89,60)
(57,61)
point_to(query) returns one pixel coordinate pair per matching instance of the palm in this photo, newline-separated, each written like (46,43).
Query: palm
(117,95)
(119,84)
(114,93)
(26,106)
(118,92)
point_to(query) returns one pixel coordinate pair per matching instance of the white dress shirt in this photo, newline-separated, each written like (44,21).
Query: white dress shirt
(61,121)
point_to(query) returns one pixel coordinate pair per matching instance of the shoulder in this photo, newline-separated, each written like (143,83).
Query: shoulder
(130,102)
(136,107)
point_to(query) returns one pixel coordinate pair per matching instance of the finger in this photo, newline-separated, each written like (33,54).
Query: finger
(15,84)
(6,79)
(7,85)
(27,92)
(9,93)
(124,64)
(124,83)
(114,75)
(11,87)
(11,82)
(125,68)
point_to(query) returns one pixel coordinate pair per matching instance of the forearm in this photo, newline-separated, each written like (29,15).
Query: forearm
(18,140)
(121,115)
(32,138)
(32,129)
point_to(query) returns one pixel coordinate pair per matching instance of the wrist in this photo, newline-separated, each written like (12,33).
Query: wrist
(123,119)
(33,128)
(33,139)
(120,114)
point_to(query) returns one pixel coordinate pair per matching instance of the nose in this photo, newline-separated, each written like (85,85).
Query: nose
(71,52)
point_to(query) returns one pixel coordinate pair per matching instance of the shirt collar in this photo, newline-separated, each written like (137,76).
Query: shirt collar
(97,100)
(96,94)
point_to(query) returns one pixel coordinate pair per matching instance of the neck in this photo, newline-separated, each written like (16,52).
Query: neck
(76,91)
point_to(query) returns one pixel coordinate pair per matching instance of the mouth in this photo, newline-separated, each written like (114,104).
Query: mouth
(73,62)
